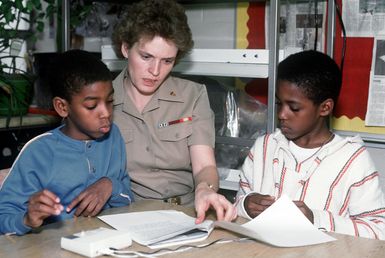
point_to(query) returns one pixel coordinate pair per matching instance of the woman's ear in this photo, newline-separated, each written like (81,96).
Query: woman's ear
(61,106)
(326,107)
(124,48)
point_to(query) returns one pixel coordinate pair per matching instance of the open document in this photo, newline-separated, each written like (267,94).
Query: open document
(282,225)
(161,228)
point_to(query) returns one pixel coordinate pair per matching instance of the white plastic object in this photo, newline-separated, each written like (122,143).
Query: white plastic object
(93,243)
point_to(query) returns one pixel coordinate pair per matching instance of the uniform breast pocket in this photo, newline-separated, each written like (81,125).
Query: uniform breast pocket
(128,135)
(175,133)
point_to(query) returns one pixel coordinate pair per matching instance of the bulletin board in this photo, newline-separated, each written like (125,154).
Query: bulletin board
(251,35)
(352,105)
(349,115)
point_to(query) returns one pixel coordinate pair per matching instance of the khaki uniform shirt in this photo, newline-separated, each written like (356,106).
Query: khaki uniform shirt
(158,139)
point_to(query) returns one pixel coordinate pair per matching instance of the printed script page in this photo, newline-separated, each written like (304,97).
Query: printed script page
(151,227)
(282,224)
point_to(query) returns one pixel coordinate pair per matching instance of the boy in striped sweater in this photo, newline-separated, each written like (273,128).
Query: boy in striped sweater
(331,179)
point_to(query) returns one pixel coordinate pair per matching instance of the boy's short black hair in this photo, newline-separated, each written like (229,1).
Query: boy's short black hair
(315,73)
(75,69)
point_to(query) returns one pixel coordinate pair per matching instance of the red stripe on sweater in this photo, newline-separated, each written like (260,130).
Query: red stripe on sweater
(298,167)
(369,213)
(355,228)
(331,221)
(345,204)
(340,175)
(251,156)
(368,226)
(283,174)
(244,184)
(377,221)
(357,184)
(304,190)
(265,141)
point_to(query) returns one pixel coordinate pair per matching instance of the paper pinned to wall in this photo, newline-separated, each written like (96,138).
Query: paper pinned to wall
(298,25)
(375,113)
(363,18)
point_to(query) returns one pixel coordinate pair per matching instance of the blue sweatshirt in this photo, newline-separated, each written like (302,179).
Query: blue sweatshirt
(65,167)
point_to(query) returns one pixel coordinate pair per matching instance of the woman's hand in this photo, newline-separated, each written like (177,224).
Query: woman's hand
(206,197)
(205,173)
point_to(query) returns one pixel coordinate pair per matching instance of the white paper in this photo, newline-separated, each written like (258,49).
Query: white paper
(282,224)
(297,25)
(160,228)
(375,112)
(363,18)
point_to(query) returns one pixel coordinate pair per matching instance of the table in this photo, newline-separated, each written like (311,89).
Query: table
(45,241)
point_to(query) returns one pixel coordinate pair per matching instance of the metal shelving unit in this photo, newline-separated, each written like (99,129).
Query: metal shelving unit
(251,63)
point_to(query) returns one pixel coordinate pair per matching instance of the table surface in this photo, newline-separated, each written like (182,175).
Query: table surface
(45,242)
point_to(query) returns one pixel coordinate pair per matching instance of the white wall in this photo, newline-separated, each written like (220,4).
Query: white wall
(213,25)
(378,155)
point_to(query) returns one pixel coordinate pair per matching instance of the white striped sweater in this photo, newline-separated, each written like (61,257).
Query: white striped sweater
(340,184)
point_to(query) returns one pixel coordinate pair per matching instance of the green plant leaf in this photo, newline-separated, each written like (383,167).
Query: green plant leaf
(40,26)
(19,4)
(29,6)
(6,87)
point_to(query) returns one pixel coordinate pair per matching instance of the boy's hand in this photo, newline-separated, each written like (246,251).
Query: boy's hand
(91,200)
(305,210)
(256,203)
(41,205)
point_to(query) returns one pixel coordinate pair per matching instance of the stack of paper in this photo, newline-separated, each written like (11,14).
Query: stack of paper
(161,228)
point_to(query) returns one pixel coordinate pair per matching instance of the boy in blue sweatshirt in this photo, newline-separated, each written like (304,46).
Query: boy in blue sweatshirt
(77,169)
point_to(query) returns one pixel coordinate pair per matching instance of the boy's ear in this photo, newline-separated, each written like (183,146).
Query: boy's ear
(61,106)
(326,107)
